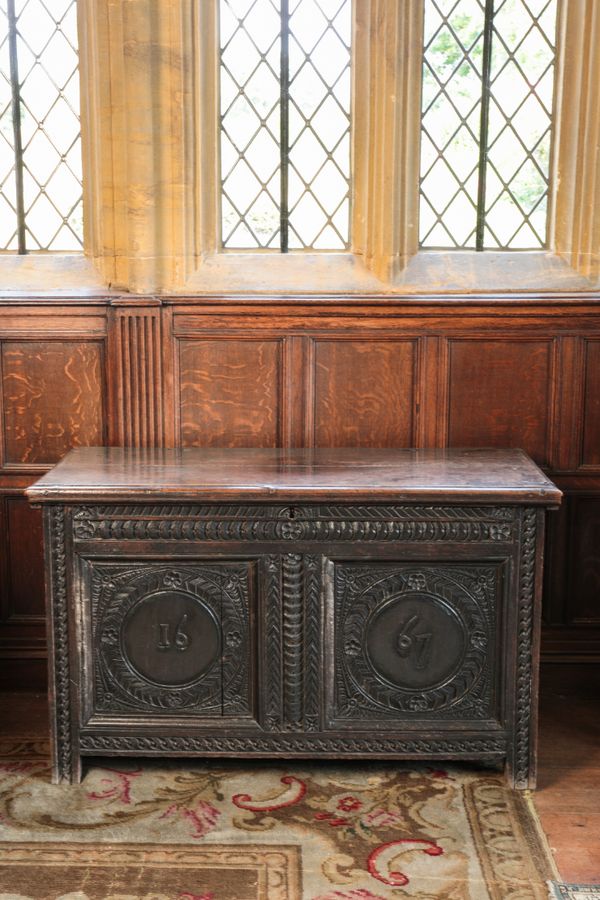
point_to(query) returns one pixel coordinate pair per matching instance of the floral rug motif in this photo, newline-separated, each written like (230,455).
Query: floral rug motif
(215,830)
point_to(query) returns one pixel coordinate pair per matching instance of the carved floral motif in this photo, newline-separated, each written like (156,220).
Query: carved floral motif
(362,523)
(118,590)
(466,598)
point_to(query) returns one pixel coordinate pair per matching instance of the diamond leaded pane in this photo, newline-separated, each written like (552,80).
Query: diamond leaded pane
(285,63)
(488,79)
(45,41)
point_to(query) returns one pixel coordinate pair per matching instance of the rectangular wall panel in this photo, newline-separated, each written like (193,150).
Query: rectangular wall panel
(52,399)
(500,395)
(331,372)
(364,393)
(591,416)
(25,562)
(583,589)
(230,392)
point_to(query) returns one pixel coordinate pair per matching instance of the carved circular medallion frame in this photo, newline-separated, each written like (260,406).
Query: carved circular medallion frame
(119,593)
(431,618)
(170,638)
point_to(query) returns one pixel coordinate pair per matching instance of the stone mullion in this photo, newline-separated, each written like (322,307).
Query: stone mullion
(387,91)
(138,126)
(575,231)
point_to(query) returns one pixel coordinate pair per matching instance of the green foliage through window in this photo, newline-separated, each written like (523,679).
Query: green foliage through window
(488,83)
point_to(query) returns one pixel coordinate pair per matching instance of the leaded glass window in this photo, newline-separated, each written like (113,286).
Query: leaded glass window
(40,150)
(285,124)
(488,82)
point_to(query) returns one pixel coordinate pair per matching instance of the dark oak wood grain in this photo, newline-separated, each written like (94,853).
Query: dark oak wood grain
(137,378)
(591,411)
(303,602)
(53,399)
(499,395)
(364,393)
(229,393)
(24,560)
(112,474)
(583,585)
(478,370)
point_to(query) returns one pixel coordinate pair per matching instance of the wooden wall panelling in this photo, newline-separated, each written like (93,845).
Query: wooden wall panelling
(432,403)
(229,391)
(53,398)
(364,392)
(22,622)
(271,371)
(582,599)
(296,391)
(501,393)
(24,556)
(590,455)
(136,390)
(555,569)
(569,403)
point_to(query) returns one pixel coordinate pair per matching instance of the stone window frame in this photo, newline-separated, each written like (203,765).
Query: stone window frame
(149,74)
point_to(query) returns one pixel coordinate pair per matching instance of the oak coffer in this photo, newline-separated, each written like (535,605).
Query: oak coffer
(295,603)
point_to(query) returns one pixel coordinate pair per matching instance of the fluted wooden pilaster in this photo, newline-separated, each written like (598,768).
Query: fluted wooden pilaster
(135,360)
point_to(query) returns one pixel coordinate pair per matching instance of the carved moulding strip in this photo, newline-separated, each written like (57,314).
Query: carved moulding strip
(524,650)
(98,743)
(219,523)
(312,642)
(292,640)
(60,641)
(272,653)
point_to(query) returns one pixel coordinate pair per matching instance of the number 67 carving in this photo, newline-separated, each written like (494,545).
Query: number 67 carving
(407,641)
(181,640)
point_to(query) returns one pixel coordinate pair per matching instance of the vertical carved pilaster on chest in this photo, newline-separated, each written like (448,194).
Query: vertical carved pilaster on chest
(272,678)
(526,640)
(65,759)
(293,644)
(135,361)
(312,642)
(292,622)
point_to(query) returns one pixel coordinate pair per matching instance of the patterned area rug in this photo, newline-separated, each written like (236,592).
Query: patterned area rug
(264,831)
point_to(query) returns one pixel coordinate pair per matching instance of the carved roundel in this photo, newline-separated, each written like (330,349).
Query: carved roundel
(404,645)
(170,638)
(162,636)
(413,640)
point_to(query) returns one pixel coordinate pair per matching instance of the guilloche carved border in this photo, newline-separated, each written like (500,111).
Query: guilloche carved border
(524,649)
(220,744)
(60,642)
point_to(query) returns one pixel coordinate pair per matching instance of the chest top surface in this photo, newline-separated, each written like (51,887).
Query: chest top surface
(114,474)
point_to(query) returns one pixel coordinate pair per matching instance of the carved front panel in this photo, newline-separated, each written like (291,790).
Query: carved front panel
(168,639)
(414,641)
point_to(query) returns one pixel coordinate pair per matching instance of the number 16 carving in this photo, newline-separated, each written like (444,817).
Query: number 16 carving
(181,640)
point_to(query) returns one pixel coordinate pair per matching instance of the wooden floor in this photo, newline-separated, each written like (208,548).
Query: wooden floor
(568,796)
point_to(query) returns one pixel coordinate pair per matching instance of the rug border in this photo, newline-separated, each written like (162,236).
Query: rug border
(557,894)
(520,809)
(268,868)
